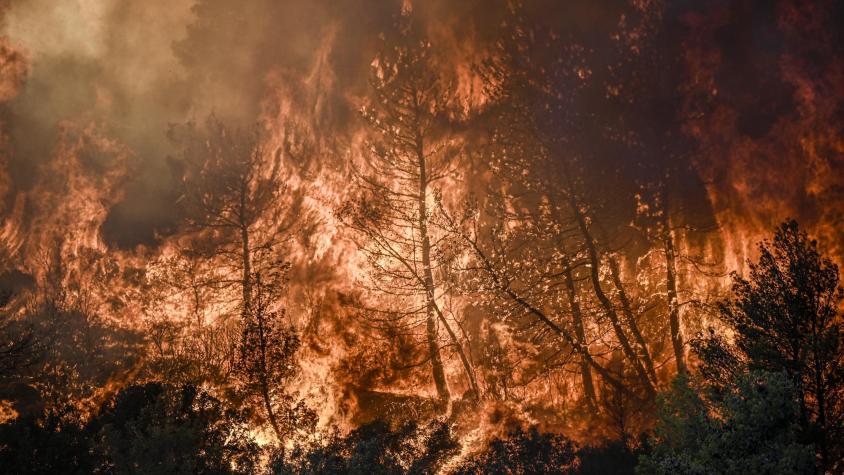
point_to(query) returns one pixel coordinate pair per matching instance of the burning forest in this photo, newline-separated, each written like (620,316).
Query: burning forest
(421,236)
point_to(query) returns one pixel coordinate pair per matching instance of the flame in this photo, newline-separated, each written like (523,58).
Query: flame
(754,179)
(790,170)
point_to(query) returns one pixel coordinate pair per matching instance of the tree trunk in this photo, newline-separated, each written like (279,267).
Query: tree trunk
(627,311)
(464,360)
(580,334)
(431,329)
(673,304)
(430,287)
(502,286)
(606,304)
(265,387)
(436,361)
(246,276)
(265,393)
(820,397)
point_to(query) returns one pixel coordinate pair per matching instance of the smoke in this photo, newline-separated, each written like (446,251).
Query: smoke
(135,67)
(104,63)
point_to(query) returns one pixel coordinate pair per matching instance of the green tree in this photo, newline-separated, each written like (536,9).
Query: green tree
(785,317)
(752,428)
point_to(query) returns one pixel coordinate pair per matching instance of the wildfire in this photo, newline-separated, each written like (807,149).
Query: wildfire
(484,213)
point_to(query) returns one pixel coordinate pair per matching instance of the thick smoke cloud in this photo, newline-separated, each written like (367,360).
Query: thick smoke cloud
(136,67)
(108,63)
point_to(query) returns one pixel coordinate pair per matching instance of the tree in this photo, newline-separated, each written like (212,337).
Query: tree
(267,362)
(149,428)
(750,429)
(78,354)
(524,453)
(614,457)
(411,154)
(786,317)
(155,428)
(526,288)
(192,350)
(18,345)
(550,231)
(236,201)
(241,214)
(54,441)
(376,448)
(647,91)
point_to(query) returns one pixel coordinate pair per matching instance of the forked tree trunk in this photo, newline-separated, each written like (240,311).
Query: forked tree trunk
(606,304)
(464,360)
(627,311)
(580,334)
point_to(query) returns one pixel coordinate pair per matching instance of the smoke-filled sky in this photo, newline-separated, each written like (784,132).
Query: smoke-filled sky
(134,68)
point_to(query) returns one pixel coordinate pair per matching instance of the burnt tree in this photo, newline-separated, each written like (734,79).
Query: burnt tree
(410,154)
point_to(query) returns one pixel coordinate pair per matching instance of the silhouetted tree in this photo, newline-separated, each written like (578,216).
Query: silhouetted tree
(376,448)
(552,224)
(235,198)
(267,362)
(523,452)
(614,457)
(786,317)
(197,349)
(54,441)
(411,154)
(149,428)
(753,428)
(18,345)
(156,428)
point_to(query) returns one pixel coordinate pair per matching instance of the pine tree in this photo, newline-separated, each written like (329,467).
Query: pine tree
(410,155)
(786,317)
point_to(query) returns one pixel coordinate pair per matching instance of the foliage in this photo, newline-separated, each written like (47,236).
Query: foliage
(78,353)
(266,364)
(614,457)
(18,345)
(54,442)
(522,453)
(149,428)
(412,153)
(154,428)
(785,318)
(565,282)
(750,429)
(238,208)
(376,448)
